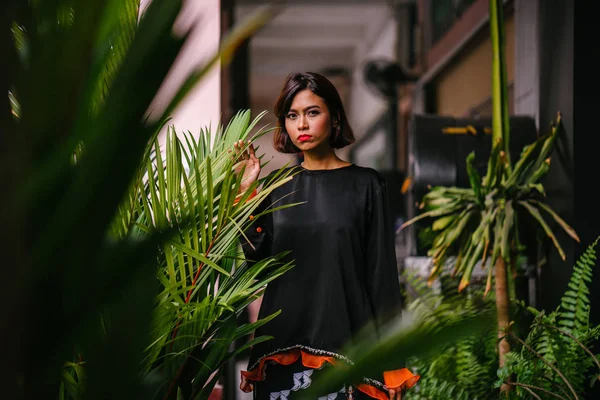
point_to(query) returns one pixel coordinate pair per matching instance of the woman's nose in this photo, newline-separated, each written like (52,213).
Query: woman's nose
(302,123)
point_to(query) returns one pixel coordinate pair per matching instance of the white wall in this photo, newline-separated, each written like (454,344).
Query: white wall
(202,106)
(365,106)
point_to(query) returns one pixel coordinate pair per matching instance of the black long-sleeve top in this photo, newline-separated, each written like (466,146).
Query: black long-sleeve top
(345,275)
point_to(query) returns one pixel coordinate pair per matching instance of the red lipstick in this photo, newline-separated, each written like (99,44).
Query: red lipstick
(304,138)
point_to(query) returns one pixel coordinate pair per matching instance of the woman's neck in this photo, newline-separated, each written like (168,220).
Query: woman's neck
(327,160)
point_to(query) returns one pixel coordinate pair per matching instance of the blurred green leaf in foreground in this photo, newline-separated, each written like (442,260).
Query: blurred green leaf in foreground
(79,77)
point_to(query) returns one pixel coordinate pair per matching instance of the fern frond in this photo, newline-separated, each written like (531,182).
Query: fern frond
(575,303)
(439,389)
(466,369)
(547,345)
(556,349)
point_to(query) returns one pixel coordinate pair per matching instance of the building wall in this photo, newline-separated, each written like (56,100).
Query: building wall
(556,94)
(202,106)
(467,83)
(364,106)
(585,149)
(540,66)
(527,58)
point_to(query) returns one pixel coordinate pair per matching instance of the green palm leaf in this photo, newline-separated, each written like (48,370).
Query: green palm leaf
(202,273)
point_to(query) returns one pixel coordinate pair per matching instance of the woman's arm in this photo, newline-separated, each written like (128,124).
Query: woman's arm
(383,281)
(382,271)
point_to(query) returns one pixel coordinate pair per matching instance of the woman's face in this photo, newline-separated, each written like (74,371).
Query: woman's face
(308,122)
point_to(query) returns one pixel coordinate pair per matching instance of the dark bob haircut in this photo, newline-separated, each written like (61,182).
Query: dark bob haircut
(341,133)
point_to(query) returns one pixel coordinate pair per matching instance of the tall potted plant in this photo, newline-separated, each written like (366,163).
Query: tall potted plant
(481,223)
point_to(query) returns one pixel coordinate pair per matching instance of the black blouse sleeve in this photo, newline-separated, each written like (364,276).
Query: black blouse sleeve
(382,273)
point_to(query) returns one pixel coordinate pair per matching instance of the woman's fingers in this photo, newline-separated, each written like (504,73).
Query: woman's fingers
(252,153)
(239,146)
(244,154)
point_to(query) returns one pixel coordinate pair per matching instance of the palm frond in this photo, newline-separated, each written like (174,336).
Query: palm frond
(190,186)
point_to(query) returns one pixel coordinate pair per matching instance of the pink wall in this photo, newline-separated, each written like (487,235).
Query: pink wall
(203,104)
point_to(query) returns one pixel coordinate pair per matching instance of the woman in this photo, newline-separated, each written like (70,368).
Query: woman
(341,240)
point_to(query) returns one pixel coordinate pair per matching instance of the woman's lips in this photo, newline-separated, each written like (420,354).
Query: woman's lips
(304,138)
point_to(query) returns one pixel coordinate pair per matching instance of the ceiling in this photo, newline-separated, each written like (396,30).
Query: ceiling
(310,35)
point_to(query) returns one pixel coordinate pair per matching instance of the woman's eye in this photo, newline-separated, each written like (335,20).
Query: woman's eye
(291,116)
(313,112)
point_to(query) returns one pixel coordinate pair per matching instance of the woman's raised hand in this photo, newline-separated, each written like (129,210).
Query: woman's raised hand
(246,162)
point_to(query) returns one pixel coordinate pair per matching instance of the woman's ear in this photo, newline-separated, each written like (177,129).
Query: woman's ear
(336,120)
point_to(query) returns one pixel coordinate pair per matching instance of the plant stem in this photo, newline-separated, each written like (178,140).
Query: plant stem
(530,388)
(575,340)
(556,385)
(189,295)
(502,314)
(531,392)
(187,300)
(538,355)
(500,117)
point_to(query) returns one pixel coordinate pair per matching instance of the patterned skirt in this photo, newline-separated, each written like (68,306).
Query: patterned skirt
(284,382)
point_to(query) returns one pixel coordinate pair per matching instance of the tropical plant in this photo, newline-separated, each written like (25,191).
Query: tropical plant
(79,79)
(406,338)
(465,369)
(481,224)
(555,360)
(205,281)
